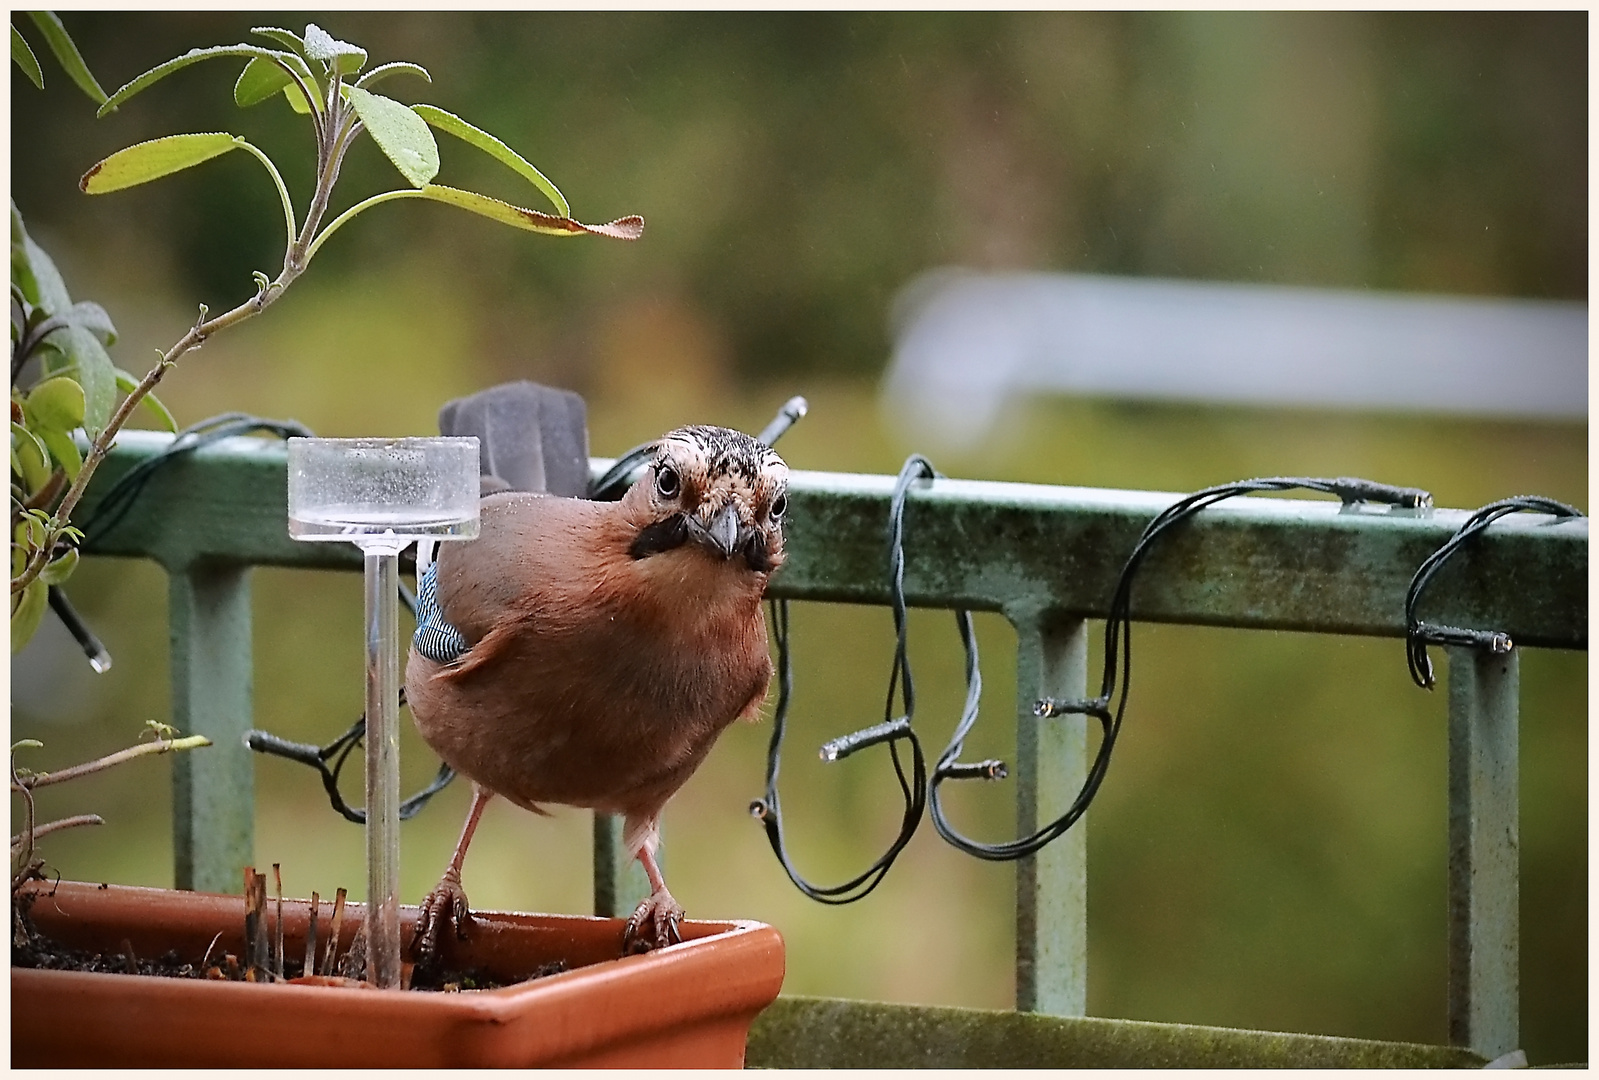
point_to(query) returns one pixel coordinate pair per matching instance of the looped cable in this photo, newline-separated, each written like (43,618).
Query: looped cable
(1118,656)
(893,730)
(1418,634)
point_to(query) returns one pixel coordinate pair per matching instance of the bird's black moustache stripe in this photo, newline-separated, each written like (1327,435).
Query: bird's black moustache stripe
(672,532)
(756,555)
(659,536)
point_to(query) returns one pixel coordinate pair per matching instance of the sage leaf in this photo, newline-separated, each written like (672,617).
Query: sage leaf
(26,614)
(341,56)
(400,133)
(262,78)
(259,80)
(177,63)
(297,100)
(64,451)
(281,36)
(55,404)
(25,59)
(467,133)
(397,67)
(627,228)
(127,384)
(60,42)
(146,161)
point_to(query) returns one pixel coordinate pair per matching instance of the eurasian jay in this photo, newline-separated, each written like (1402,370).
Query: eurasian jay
(588,654)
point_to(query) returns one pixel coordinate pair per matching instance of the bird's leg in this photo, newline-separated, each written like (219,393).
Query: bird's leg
(447,901)
(653,923)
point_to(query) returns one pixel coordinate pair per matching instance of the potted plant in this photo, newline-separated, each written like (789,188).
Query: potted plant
(260,987)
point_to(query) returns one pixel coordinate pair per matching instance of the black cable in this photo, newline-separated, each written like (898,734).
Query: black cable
(116,502)
(893,730)
(1418,634)
(1118,659)
(339,751)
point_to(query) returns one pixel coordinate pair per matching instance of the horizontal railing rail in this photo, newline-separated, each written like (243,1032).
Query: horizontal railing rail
(1255,563)
(1048,559)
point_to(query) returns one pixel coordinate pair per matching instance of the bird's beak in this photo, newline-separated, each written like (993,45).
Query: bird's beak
(721,535)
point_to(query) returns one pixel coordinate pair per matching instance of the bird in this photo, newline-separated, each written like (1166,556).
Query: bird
(588,654)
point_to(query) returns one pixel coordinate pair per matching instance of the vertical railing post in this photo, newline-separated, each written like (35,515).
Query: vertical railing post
(1484,849)
(1051,763)
(213,790)
(619,881)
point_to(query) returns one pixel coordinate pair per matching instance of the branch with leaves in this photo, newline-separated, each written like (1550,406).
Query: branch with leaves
(320,77)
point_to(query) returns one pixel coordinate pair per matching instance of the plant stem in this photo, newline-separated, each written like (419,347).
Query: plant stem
(364,204)
(56,826)
(102,443)
(163,746)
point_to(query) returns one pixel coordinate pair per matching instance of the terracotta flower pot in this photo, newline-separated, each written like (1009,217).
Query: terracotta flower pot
(687,1005)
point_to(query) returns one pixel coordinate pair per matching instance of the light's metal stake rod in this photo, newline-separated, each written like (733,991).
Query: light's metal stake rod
(380,495)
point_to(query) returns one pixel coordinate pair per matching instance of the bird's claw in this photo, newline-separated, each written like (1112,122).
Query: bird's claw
(445,904)
(653,925)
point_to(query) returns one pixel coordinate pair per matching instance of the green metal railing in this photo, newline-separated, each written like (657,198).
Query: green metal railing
(1047,558)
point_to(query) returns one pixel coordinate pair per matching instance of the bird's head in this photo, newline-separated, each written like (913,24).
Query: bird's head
(715,489)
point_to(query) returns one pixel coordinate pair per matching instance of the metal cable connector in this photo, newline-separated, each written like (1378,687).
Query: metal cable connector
(842,747)
(992,769)
(1047,707)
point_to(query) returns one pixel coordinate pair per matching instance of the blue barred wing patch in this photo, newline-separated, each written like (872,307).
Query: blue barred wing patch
(435,638)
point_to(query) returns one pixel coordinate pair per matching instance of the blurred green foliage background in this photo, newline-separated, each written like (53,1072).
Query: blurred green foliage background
(1268,850)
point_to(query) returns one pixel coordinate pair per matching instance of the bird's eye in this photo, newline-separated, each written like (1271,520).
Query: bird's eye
(779,505)
(667,482)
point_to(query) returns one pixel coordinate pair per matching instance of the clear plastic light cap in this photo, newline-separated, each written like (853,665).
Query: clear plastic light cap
(384,493)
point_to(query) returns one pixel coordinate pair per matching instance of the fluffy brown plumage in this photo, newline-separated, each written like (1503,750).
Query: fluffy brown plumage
(609,644)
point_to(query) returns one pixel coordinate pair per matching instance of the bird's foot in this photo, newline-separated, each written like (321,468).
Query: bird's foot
(653,924)
(446,904)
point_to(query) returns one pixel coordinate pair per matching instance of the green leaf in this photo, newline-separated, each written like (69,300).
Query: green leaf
(262,78)
(400,133)
(89,362)
(177,63)
(146,161)
(31,459)
(340,55)
(93,318)
(281,36)
(60,42)
(627,228)
(259,80)
(35,272)
(63,450)
(127,384)
(30,744)
(26,614)
(297,100)
(454,125)
(55,404)
(60,568)
(398,67)
(25,59)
